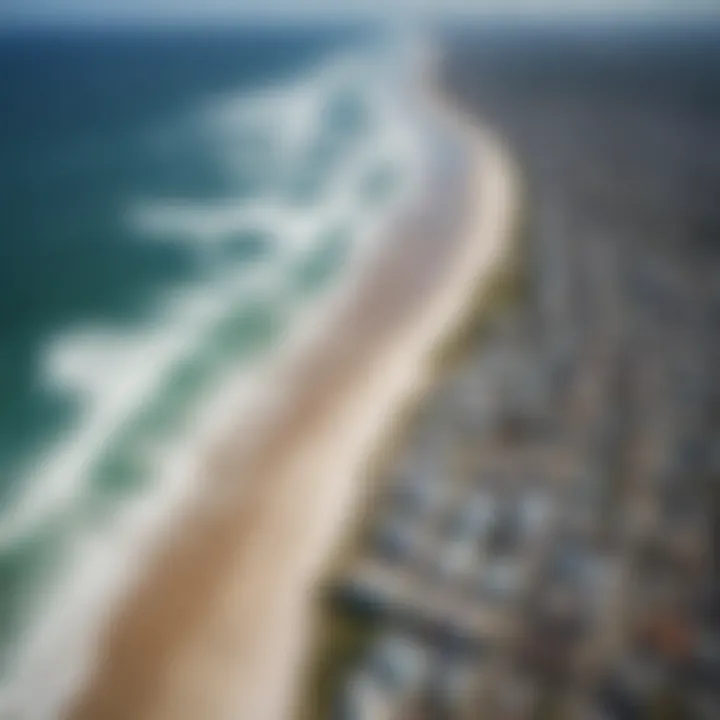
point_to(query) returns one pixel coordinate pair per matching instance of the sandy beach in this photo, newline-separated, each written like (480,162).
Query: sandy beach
(217,623)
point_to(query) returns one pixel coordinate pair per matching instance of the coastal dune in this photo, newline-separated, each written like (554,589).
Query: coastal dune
(216,622)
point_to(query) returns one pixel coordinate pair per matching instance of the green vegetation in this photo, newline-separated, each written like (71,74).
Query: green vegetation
(343,638)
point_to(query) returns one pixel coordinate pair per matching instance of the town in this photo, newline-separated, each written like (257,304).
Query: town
(546,542)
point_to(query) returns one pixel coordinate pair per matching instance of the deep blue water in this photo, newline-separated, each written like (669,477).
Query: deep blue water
(122,153)
(76,111)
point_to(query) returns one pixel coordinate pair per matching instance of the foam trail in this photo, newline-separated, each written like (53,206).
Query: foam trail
(113,373)
(118,374)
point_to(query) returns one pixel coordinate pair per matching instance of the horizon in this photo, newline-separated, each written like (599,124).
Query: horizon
(224,14)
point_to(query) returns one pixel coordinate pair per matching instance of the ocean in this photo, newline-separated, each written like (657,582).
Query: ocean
(172,204)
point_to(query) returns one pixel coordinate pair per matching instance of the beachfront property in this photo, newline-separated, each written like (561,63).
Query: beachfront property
(517,573)
(544,546)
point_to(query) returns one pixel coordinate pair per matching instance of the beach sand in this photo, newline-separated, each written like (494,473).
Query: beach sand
(216,624)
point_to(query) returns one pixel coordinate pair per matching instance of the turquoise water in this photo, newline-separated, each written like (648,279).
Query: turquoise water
(171,205)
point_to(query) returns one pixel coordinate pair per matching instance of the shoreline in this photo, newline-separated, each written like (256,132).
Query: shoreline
(486,299)
(217,622)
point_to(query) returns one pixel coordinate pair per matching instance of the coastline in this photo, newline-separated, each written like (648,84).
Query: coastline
(217,622)
(335,638)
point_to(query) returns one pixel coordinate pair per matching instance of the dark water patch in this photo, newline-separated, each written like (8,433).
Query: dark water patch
(322,264)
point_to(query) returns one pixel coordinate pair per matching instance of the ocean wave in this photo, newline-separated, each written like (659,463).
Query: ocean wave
(146,391)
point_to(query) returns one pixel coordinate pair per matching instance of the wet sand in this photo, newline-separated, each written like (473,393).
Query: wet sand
(216,624)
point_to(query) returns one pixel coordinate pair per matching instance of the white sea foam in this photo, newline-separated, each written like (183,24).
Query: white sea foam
(116,374)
